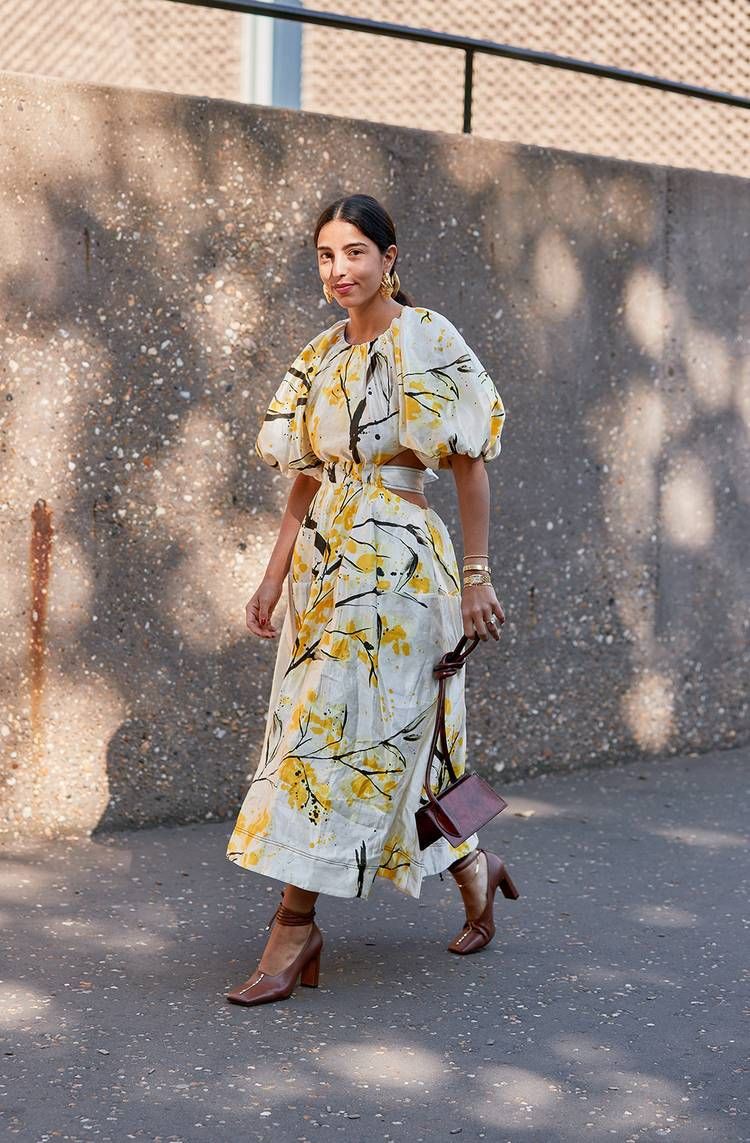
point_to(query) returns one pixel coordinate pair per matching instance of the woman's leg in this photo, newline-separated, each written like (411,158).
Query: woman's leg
(470,874)
(286,941)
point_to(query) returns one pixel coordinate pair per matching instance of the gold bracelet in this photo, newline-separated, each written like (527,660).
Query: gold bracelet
(477,556)
(472,580)
(476,567)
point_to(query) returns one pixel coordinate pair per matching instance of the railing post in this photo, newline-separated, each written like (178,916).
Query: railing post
(468,82)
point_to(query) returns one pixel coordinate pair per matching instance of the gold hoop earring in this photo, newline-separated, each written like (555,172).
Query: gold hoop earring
(327,292)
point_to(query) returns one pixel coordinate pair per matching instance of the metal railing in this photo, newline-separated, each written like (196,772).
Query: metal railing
(469,46)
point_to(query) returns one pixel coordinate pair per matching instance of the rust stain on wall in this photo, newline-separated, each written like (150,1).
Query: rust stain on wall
(40,558)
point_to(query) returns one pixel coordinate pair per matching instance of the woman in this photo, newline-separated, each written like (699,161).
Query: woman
(366,412)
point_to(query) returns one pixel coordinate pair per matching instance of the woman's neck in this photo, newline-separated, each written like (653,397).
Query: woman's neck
(365,326)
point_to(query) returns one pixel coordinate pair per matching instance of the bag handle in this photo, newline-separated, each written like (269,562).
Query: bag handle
(448,665)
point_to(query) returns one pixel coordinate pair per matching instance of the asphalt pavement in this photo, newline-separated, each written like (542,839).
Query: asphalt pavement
(608,1007)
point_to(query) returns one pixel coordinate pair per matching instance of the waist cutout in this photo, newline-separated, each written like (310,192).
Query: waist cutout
(391,475)
(405,477)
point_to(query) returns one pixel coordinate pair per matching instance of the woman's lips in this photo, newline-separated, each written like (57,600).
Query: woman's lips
(344,289)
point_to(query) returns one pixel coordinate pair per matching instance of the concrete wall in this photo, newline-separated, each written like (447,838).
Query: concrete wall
(157,276)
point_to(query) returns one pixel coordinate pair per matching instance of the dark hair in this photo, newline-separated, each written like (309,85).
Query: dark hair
(367,214)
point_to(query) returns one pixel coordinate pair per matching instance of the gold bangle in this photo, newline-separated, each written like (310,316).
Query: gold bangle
(477,556)
(476,567)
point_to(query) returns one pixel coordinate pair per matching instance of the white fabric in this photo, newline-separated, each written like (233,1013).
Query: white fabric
(374,601)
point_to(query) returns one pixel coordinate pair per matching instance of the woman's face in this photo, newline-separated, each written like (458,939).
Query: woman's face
(351,263)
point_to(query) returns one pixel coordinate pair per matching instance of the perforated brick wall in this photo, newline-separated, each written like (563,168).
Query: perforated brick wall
(133,43)
(704,42)
(156,44)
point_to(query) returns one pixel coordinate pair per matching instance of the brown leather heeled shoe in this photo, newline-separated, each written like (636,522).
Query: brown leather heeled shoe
(479,932)
(262,988)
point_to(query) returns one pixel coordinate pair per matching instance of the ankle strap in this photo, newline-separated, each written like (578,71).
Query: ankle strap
(287,916)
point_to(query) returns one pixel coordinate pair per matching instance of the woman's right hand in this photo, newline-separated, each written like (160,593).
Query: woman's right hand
(259,609)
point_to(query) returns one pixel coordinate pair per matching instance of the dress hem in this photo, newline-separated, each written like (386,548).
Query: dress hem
(346,880)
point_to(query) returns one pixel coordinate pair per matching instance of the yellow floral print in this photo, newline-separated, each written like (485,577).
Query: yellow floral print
(373,602)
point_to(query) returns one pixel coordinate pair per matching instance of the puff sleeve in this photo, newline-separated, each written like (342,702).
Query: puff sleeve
(283,441)
(448,402)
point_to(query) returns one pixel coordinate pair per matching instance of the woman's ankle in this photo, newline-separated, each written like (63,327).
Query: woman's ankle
(464,865)
(299,900)
(471,879)
(284,944)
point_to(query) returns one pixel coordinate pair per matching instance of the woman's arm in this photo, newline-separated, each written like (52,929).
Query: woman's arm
(478,602)
(260,608)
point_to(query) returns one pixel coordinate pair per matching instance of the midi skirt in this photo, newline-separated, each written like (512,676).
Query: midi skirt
(373,602)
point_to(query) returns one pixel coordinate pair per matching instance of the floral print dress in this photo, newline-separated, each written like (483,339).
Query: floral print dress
(373,601)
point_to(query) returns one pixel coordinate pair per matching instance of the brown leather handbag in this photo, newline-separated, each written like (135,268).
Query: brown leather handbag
(468,802)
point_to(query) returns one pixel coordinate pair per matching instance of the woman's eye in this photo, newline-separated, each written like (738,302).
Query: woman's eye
(352,254)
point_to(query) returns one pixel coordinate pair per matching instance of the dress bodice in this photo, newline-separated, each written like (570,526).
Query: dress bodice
(353,403)
(417,385)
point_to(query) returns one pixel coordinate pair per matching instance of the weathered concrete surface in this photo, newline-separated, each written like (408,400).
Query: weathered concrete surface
(609,1005)
(157,277)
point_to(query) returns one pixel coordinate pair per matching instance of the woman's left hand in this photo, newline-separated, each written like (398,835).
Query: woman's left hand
(481,611)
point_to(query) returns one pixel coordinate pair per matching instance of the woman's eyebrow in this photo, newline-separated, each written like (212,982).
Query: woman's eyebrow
(347,247)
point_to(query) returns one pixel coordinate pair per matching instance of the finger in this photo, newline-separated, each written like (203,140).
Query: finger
(263,632)
(469,627)
(468,620)
(268,630)
(256,622)
(492,625)
(481,627)
(254,626)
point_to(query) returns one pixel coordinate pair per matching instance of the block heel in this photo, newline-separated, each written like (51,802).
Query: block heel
(262,988)
(311,973)
(507,886)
